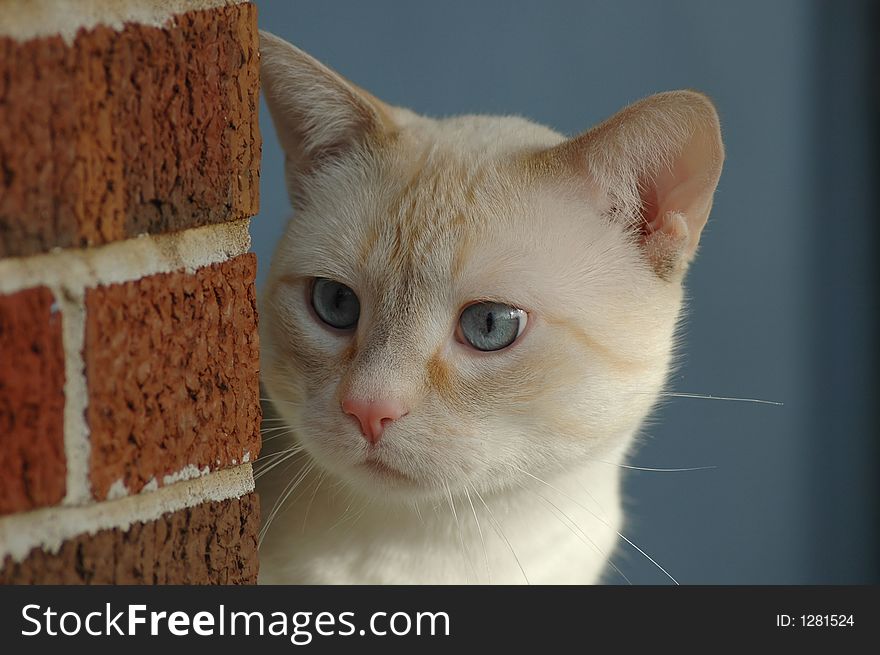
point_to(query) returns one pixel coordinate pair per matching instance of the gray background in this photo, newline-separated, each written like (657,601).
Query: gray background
(783,294)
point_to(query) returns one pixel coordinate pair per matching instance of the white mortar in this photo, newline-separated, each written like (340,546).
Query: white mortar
(49,528)
(28,19)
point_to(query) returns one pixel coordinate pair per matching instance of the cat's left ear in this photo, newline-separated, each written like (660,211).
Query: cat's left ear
(318,114)
(655,165)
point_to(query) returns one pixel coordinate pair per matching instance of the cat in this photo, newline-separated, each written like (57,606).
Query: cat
(464,326)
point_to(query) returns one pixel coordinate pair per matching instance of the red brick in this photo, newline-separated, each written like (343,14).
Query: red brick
(32,463)
(211,543)
(124,132)
(172,365)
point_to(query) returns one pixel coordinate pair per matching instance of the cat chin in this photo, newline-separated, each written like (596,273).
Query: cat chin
(389,489)
(377,480)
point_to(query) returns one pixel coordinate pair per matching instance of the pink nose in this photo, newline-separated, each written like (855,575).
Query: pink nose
(374,416)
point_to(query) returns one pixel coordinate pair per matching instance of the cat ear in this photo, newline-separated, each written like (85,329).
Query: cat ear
(656,164)
(317,113)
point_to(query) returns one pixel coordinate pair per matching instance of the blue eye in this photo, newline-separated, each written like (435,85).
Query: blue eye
(491,326)
(335,303)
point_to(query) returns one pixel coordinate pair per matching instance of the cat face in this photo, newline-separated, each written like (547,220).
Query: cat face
(461,303)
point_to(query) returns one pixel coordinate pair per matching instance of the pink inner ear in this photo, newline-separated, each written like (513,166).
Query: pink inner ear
(664,230)
(650,208)
(675,204)
(669,190)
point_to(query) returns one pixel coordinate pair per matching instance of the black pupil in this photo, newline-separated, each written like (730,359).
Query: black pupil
(490,326)
(340,297)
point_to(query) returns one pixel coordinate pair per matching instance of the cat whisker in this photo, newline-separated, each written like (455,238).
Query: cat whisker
(480,532)
(468,564)
(275,429)
(619,534)
(577,531)
(275,459)
(497,527)
(357,517)
(683,394)
(264,463)
(655,470)
(268,436)
(571,525)
(338,487)
(345,515)
(280,431)
(279,400)
(275,436)
(285,495)
(599,507)
(294,448)
(312,499)
(601,511)
(418,511)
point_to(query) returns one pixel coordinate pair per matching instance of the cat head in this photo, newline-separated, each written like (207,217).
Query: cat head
(460,303)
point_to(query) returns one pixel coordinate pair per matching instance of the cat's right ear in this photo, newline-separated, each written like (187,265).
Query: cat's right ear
(654,166)
(318,114)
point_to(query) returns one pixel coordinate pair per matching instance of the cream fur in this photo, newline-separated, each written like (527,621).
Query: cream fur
(509,457)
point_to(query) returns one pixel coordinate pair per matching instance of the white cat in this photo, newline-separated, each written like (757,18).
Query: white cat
(465,324)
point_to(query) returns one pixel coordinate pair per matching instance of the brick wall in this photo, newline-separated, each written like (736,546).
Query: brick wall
(129,358)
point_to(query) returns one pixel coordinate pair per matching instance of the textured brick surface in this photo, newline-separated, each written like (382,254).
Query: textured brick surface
(211,543)
(32,464)
(172,365)
(140,130)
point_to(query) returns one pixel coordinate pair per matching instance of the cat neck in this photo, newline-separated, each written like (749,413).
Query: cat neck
(326,532)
